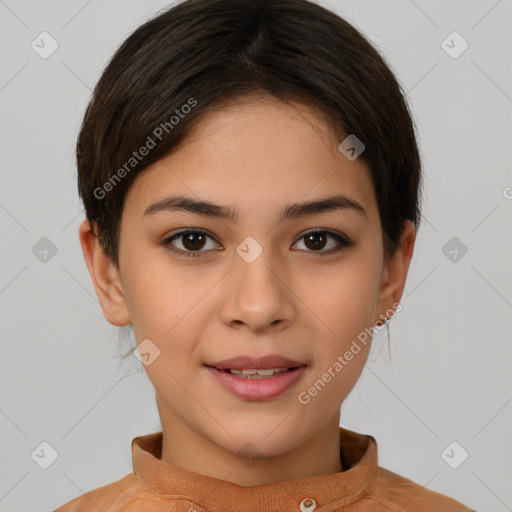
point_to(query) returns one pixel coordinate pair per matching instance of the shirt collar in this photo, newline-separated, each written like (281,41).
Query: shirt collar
(339,489)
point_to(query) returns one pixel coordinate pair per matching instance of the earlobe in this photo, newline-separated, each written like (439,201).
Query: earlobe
(104,276)
(395,272)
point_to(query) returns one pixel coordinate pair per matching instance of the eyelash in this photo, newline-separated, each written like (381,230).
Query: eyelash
(342,241)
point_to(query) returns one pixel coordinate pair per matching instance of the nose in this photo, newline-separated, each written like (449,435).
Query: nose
(257,293)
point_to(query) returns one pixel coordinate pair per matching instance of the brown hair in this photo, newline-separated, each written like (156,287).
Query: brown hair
(200,54)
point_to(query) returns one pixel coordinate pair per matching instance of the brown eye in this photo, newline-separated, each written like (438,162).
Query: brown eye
(316,241)
(188,243)
(193,241)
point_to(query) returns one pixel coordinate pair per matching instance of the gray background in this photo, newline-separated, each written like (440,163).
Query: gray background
(449,380)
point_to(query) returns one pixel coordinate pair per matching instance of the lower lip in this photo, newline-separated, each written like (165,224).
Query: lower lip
(257,389)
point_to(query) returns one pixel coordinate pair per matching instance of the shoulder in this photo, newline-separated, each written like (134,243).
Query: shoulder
(119,493)
(395,492)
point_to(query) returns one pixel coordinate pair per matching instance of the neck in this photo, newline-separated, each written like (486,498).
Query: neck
(215,454)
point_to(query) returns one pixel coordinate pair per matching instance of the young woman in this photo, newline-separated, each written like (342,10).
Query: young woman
(251,181)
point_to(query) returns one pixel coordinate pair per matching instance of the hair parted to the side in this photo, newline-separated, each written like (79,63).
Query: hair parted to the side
(199,54)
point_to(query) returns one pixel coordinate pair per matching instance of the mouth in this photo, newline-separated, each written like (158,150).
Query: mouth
(256,363)
(255,373)
(253,384)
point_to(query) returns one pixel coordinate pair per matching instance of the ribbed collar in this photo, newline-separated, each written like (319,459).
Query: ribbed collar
(338,489)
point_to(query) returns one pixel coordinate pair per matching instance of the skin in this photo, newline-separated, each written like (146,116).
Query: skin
(291,300)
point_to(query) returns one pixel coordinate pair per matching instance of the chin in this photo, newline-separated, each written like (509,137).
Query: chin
(258,443)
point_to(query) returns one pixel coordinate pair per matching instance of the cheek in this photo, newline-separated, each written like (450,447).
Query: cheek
(343,352)
(346,297)
(167,303)
(151,296)
(346,300)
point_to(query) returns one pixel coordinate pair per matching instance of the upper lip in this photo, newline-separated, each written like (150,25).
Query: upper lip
(263,362)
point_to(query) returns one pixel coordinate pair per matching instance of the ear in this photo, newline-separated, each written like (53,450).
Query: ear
(105,278)
(394,274)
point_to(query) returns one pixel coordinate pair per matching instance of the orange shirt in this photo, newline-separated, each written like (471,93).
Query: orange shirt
(155,486)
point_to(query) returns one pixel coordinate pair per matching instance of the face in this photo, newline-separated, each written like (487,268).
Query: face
(269,279)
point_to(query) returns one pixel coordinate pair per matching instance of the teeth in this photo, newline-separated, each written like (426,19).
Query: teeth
(255,373)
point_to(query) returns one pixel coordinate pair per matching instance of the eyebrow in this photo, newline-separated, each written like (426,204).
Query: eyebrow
(291,211)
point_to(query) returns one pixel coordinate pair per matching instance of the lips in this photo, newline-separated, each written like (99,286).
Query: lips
(257,388)
(262,362)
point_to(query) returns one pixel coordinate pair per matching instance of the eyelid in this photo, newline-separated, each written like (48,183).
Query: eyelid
(166,241)
(344,242)
(329,232)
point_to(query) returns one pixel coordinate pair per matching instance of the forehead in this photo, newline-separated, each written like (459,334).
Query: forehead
(258,153)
